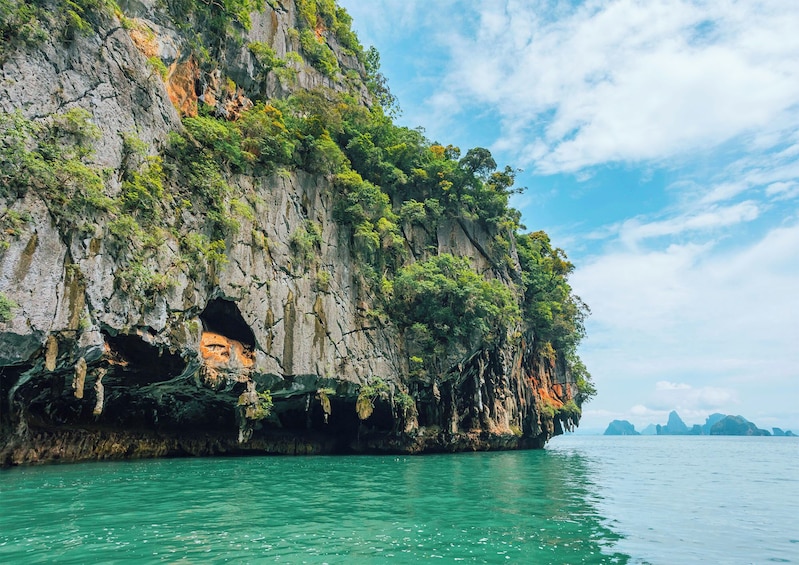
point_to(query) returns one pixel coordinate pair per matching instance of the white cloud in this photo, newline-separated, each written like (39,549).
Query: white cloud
(722,321)
(701,295)
(634,230)
(667,385)
(783,190)
(628,80)
(685,398)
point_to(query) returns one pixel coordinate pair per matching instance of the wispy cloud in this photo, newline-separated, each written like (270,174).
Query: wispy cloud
(634,230)
(628,80)
(701,291)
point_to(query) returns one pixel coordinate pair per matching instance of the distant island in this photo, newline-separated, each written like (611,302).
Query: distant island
(621,428)
(715,425)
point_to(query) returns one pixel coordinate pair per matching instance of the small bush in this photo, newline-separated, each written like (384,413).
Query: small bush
(12,221)
(365,403)
(305,241)
(318,53)
(6,307)
(158,66)
(264,406)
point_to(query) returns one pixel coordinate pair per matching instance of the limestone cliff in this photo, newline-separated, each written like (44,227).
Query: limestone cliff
(145,324)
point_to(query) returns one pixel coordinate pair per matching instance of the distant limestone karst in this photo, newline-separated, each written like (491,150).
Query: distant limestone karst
(674,427)
(716,424)
(736,426)
(621,428)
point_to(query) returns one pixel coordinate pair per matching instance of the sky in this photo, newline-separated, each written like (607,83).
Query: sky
(659,143)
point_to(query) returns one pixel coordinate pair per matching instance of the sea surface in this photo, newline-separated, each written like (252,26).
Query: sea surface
(584,499)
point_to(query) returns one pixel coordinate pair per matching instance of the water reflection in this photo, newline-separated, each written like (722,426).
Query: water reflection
(536,507)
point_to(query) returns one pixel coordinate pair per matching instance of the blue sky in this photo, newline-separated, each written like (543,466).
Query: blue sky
(659,141)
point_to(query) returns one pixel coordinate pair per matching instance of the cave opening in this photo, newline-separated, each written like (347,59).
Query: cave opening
(9,376)
(303,415)
(223,317)
(131,356)
(382,418)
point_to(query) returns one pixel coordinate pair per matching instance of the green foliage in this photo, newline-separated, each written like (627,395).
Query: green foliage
(314,18)
(360,200)
(6,307)
(552,312)
(319,53)
(307,14)
(199,251)
(11,222)
(221,138)
(319,16)
(29,22)
(306,241)
(323,281)
(369,393)
(570,410)
(582,378)
(136,279)
(218,20)
(143,190)
(268,60)
(367,210)
(158,66)
(342,27)
(265,140)
(413,212)
(264,407)
(377,84)
(377,388)
(52,159)
(265,55)
(547,410)
(406,406)
(125,231)
(442,303)
(203,161)
(19,24)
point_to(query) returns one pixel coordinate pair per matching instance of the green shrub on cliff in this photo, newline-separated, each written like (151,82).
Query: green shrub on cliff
(215,20)
(319,53)
(30,21)
(52,158)
(445,304)
(368,394)
(305,242)
(264,406)
(551,310)
(6,307)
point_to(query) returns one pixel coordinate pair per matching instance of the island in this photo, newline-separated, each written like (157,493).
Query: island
(621,428)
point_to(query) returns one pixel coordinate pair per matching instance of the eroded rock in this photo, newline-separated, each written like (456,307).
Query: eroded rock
(186,368)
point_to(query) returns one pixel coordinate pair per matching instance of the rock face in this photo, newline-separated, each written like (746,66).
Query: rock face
(93,366)
(621,428)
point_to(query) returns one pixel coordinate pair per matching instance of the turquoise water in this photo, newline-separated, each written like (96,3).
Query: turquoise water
(582,500)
